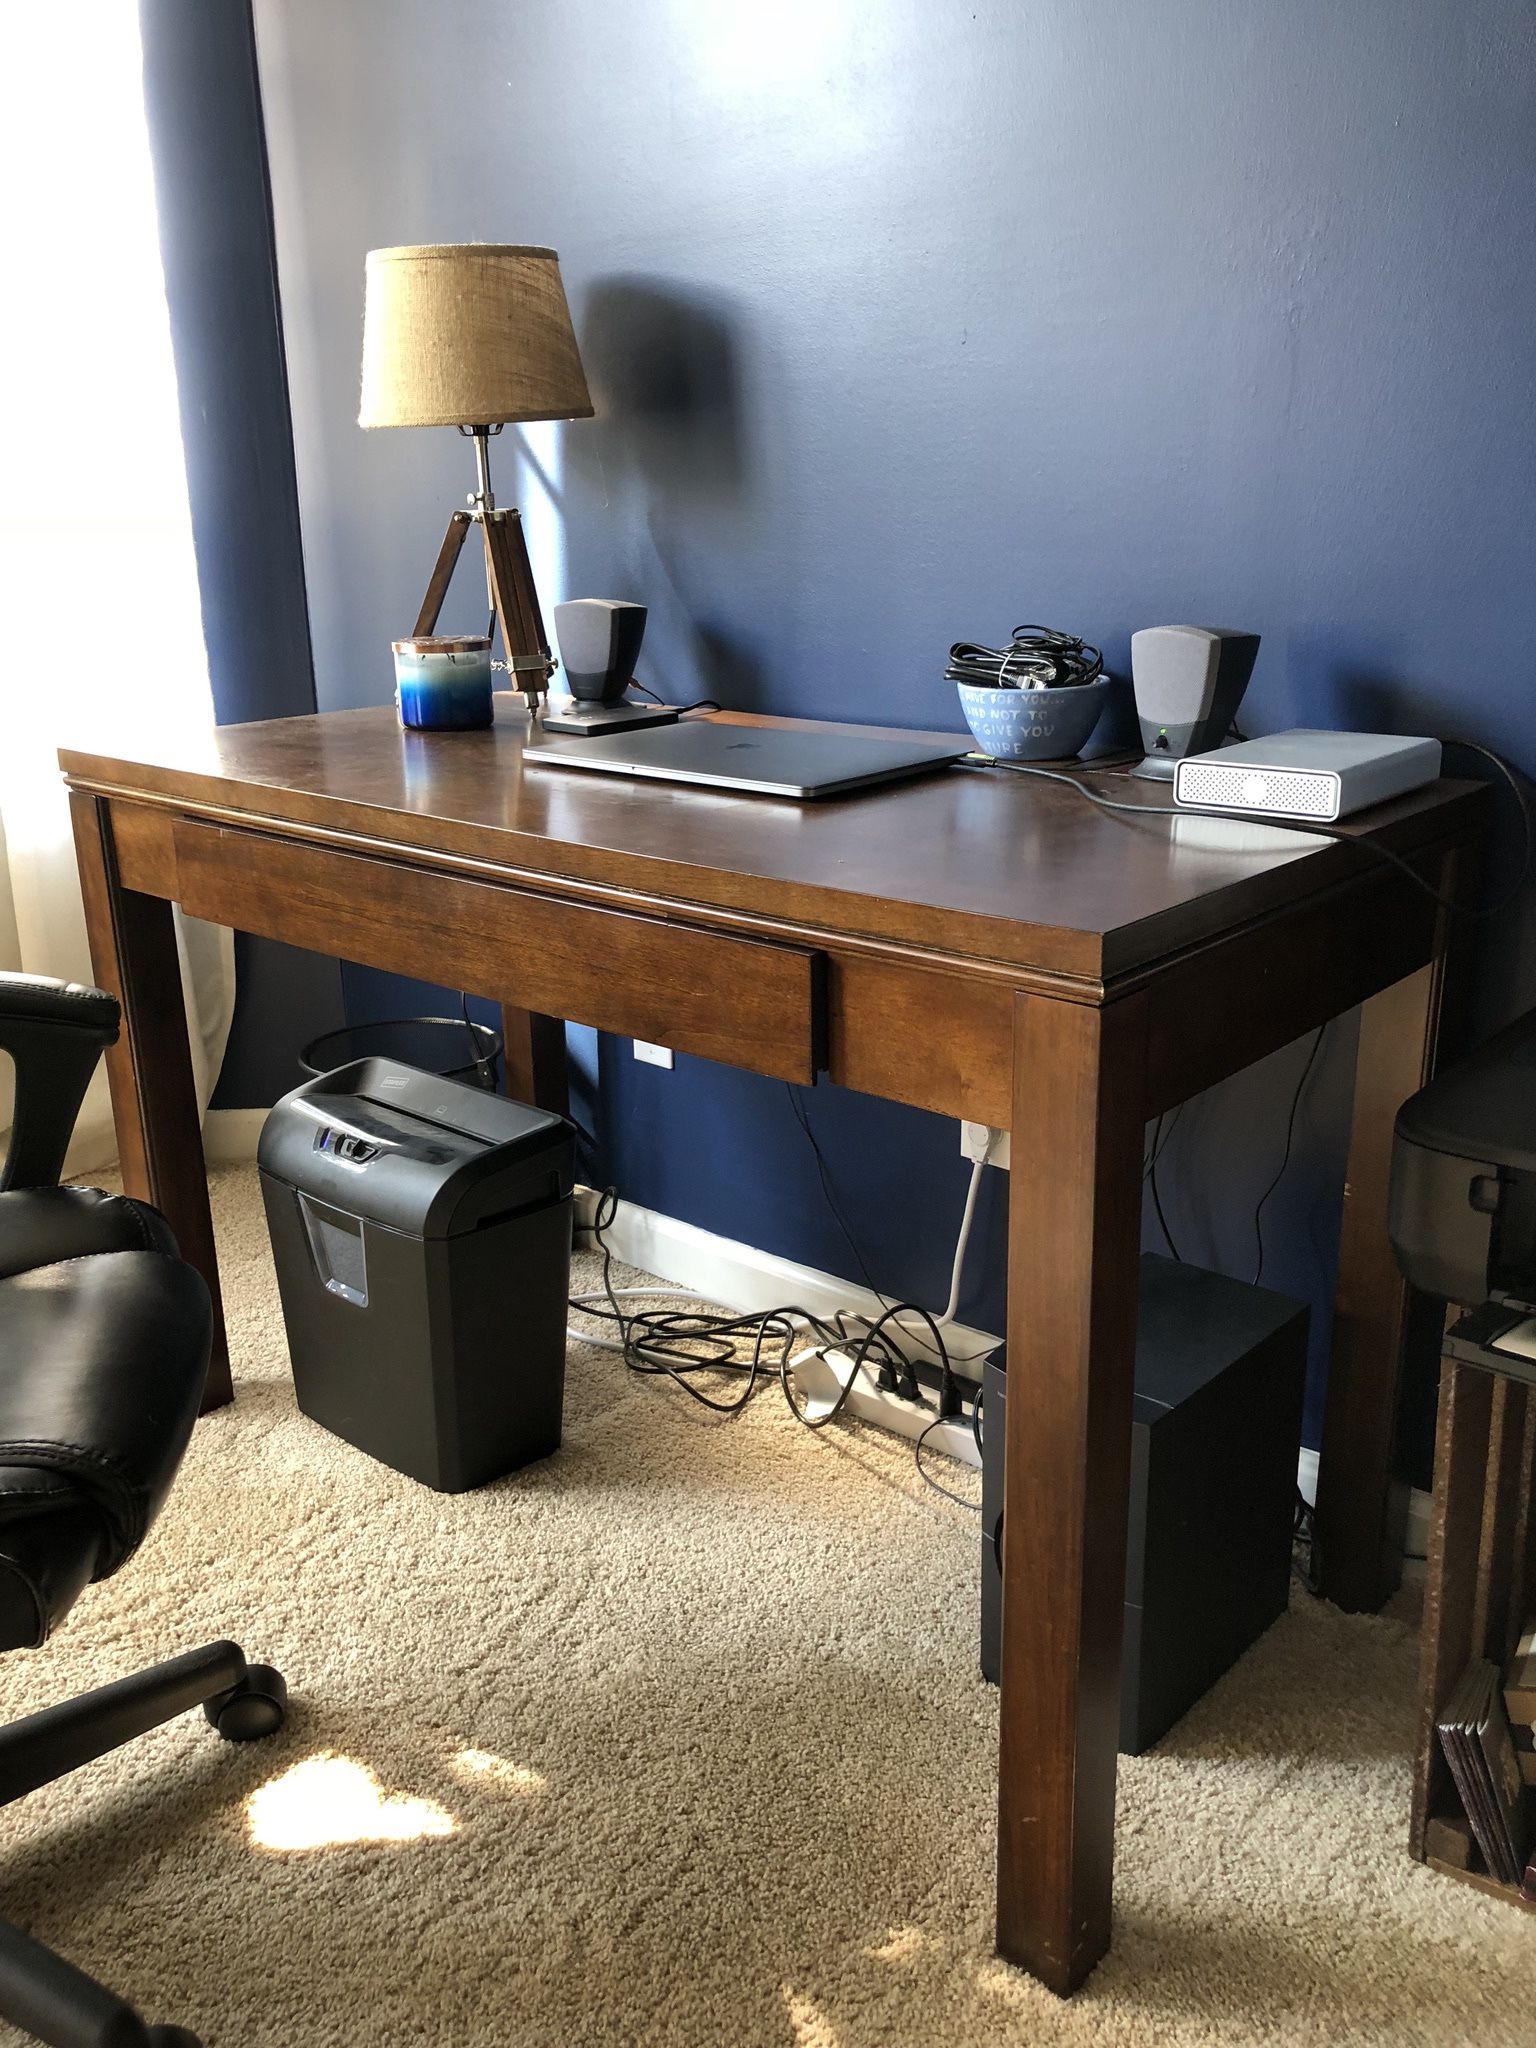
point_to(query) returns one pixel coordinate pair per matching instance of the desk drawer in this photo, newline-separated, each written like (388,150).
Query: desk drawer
(744,1001)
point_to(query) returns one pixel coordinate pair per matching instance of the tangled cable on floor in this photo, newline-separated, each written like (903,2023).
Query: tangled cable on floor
(681,1344)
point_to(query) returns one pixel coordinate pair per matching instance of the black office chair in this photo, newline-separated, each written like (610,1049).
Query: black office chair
(104,1338)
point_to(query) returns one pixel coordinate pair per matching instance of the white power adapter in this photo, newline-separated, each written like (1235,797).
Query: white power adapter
(985,1143)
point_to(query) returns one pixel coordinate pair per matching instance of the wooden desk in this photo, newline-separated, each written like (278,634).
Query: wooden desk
(976,943)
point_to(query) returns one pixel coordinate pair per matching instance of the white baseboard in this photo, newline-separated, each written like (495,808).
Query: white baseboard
(230,1136)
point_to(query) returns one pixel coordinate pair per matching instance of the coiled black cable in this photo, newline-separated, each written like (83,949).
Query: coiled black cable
(679,1343)
(1036,658)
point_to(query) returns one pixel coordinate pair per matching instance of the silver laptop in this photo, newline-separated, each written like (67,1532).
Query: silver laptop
(768,761)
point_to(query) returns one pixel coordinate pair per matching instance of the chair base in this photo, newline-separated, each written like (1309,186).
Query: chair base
(40,1992)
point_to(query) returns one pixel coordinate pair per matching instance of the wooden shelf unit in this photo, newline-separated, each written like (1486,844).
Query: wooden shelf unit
(1481,1586)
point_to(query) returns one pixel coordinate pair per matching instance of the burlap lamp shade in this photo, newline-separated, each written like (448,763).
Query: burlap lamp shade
(468,333)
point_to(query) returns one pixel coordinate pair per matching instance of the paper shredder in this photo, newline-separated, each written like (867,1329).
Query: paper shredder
(421,1231)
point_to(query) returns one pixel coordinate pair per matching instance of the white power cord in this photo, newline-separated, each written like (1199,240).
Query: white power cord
(962,1243)
(575,1336)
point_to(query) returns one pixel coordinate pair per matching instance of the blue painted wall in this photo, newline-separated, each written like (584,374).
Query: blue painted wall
(908,319)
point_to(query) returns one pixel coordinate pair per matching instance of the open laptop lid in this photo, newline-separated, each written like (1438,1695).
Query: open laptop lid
(767,761)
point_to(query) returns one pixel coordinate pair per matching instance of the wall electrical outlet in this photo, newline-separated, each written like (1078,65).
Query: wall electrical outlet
(653,1055)
(974,1139)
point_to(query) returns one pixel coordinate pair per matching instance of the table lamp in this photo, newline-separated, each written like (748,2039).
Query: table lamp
(473,335)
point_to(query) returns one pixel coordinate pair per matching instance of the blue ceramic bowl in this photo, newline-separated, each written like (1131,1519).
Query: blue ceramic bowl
(1033,725)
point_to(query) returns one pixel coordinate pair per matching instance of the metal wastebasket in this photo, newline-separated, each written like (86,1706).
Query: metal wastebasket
(450,1046)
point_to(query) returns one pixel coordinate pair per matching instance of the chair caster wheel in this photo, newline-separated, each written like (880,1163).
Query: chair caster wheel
(173,2037)
(248,1711)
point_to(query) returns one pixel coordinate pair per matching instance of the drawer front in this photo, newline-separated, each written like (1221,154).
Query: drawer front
(746,1002)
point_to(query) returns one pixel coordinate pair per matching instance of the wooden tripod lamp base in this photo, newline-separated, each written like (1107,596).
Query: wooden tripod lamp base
(514,601)
(478,336)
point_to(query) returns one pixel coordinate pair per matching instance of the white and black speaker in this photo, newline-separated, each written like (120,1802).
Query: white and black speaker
(1189,681)
(599,645)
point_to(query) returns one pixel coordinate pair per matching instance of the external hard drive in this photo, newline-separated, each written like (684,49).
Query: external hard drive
(1302,774)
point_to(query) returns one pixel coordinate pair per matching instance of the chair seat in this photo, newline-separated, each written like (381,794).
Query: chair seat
(105,1353)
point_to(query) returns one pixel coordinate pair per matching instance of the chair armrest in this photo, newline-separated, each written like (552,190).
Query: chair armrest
(105,1359)
(54,1032)
(37,999)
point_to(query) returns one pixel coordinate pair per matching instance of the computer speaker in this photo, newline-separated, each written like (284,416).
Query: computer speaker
(1189,681)
(599,645)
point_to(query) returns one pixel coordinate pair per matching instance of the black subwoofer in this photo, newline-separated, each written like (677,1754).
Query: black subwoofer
(1215,1432)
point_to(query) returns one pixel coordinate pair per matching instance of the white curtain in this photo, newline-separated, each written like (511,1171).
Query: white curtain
(98,580)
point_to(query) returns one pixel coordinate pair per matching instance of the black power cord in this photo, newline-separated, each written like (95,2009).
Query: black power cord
(928,1479)
(949,1396)
(698,704)
(1285,1157)
(824,1175)
(1158,1144)
(1161,1139)
(485,1064)
(681,1343)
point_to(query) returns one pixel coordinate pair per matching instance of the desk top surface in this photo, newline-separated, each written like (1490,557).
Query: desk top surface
(979,862)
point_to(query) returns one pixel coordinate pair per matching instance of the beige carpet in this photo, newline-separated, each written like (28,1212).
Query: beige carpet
(678,1739)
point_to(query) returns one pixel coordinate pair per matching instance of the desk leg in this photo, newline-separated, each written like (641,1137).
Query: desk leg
(1362,1502)
(533,1059)
(154,1098)
(1074,1247)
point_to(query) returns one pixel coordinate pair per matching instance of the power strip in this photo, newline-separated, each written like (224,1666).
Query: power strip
(892,1412)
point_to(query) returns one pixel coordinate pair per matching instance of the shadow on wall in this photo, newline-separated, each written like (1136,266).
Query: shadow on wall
(661,469)
(665,378)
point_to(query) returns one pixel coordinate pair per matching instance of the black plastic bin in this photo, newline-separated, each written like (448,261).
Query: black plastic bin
(422,1236)
(450,1046)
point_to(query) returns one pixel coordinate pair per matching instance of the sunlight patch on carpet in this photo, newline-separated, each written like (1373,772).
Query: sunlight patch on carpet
(808,2024)
(901,1945)
(328,1800)
(483,1766)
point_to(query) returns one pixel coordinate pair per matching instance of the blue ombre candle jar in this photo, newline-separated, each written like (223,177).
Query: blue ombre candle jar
(443,683)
